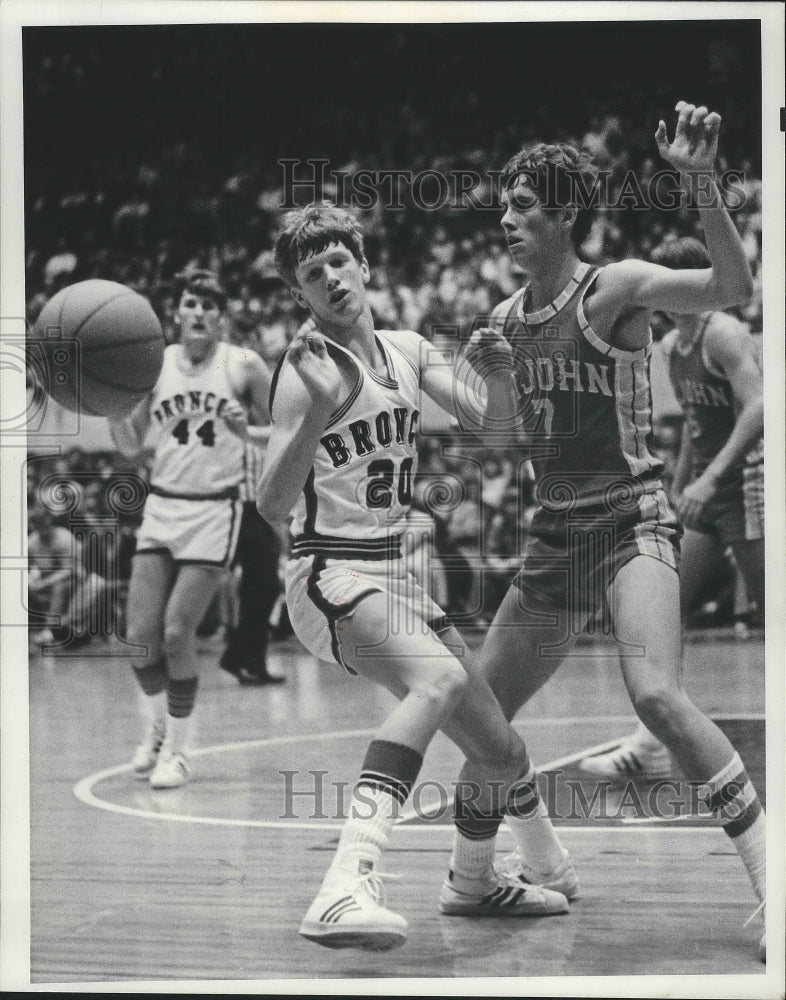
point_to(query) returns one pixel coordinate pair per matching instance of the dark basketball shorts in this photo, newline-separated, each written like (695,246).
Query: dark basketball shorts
(736,512)
(570,561)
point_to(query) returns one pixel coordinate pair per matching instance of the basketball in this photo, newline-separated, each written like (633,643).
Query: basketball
(98,348)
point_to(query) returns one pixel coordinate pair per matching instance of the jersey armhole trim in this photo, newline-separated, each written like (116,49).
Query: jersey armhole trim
(400,350)
(600,345)
(711,366)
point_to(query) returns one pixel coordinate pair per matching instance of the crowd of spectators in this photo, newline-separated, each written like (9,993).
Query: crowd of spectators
(142,220)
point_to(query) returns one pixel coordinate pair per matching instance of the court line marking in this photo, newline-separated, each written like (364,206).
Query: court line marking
(435,807)
(83,789)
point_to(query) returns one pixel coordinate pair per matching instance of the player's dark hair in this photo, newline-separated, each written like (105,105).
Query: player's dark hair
(311,230)
(201,282)
(678,252)
(562,176)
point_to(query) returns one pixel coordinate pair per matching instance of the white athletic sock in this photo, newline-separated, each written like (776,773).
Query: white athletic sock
(153,707)
(531,826)
(366,832)
(178,733)
(737,806)
(752,848)
(472,863)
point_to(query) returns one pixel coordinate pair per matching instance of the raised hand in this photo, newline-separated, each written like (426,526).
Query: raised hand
(318,371)
(695,143)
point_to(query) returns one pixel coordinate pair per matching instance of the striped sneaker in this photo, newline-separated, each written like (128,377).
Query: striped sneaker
(511,897)
(562,879)
(350,913)
(146,754)
(629,760)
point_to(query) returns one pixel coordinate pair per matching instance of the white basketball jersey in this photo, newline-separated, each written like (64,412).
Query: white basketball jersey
(196,454)
(360,486)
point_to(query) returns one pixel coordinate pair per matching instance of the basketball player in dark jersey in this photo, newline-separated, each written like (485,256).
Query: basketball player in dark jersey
(718,484)
(605,530)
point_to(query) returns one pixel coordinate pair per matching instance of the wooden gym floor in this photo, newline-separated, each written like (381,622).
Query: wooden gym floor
(209,882)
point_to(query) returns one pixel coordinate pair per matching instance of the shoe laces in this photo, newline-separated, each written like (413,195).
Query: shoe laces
(513,865)
(372,883)
(759,909)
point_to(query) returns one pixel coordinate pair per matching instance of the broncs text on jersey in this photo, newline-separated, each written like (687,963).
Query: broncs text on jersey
(362,438)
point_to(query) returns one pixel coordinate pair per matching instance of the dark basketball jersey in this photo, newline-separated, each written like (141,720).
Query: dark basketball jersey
(707,401)
(587,406)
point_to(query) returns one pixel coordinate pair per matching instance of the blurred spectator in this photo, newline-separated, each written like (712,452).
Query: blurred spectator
(60,586)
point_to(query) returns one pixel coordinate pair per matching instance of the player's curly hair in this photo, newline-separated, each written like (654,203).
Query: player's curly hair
(312,229)
(199,281)
(562,176)
(678,252)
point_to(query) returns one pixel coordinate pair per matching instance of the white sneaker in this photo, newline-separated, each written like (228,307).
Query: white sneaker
(171,770)
(508,897)
(146,754)
(562,879)
(349,912)
(629,760)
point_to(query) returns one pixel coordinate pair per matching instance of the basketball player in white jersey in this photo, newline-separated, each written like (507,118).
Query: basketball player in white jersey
(345,405)
(198,417)
(605,530)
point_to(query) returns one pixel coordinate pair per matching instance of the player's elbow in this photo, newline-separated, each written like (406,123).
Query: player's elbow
(737,290)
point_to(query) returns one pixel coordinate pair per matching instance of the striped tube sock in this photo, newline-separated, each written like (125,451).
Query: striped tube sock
(474,842)
(181,696)
(529,822)
(734,801)
(386,779)
(152,679)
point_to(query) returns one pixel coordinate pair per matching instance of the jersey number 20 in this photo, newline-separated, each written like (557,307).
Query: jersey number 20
(379,490)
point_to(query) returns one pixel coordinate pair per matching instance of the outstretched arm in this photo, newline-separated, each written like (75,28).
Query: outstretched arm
(128,433)
(309,390)
(637,284)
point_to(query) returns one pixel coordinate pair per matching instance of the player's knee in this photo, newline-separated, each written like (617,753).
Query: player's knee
(657,707)
(177,635)
(444,688)
(503,753)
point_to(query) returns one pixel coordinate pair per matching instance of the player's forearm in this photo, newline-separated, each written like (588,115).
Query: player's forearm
(502,411)
(285,472)
(732,277)
(45,582)
(682,469)
(259,435)
(126,437)
(747,432)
